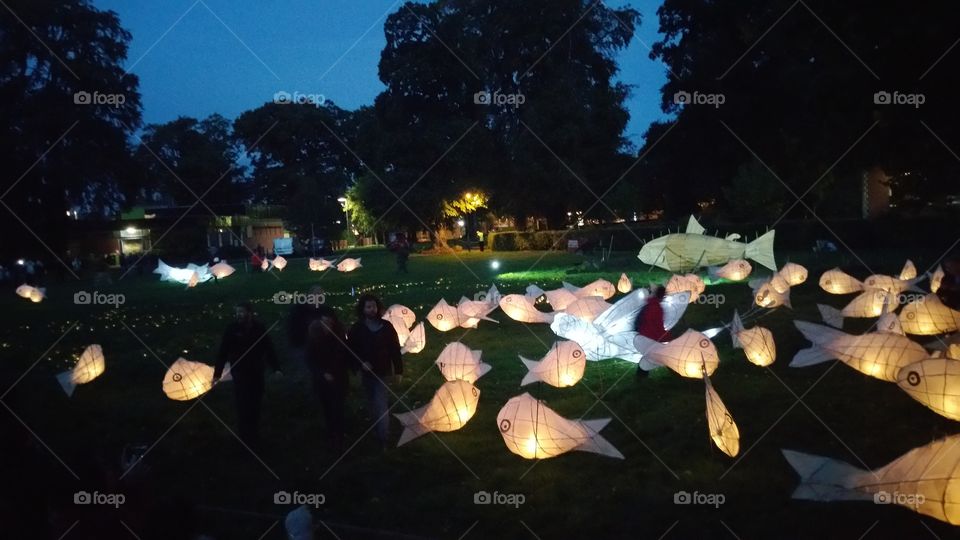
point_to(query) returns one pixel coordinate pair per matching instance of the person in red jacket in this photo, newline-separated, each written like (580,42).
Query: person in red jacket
(649,321)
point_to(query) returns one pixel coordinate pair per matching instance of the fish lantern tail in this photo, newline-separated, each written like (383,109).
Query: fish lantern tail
(66,382)
(831,315)
(531,376)
(761,251)
(824,479)
(412,428)
(736,326)
(596,443)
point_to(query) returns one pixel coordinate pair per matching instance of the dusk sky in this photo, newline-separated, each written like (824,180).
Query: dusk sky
(198,57)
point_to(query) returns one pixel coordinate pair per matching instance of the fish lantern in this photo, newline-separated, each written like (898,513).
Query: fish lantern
(723,430)
(837,281)
(492,297)
(870,303)
(279,263)
(399,326)
(793,274)
(767,296)
(319,265)
(532,430)
(686,251)
(934,382)
(33,294)
(757,343)
(889,323)
(452,406)
(443,316)
(221,270)
(601,287)
(689,355)
(186,380)
(928,316)
(349,265)
(587,308)
(471,312)
(562,366)
(909,271)
(265,265)
(403,313)
(520,308)
(877,354)
(624,285)
(90,366)
(416,341)
(735,270)
(924,480)
(558,299)
(194,279)
(686,283)
(458,362)
(936,278)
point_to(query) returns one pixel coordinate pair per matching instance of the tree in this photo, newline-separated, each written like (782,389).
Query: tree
(68,110)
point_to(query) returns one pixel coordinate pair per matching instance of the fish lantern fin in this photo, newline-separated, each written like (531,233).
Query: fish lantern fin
(761,251)
(66,382)
(694,226)
(912,284)
(412,428)
(824,479)
(831,315)
(595,442)
(534,292)
(811,356)
(736,326)
(643,344)
(530,377)
(733,237)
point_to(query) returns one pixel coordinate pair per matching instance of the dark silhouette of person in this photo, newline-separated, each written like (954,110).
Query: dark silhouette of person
(328,360)
(401,248)
(949,291)
(301,315)
(376,347)
(247,346)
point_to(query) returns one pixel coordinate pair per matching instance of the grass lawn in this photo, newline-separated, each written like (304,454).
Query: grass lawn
(197,474)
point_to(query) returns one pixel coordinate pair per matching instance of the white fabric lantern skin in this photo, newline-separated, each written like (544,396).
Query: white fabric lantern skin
(443,316)
(349,265)
(558,299)
(34,294)
(601,288)
(532,430)
(587,308)
(403,312)
(222,270)
(458,362)
(624,285)
(689,355)
(691,283)
(201,273)
(928,316)
(279,263)
(91,365)
(186,380)
(757,342)
(416,341)
(936,278)
(681,252)
(877,354)
(735,270)
(934,382)
(723,430)
(793,273)
(399,325)
(837,281)
(909,271)
(767,296)
(562,366)
(520,308)
(318,265)
(471,312)
(452,406)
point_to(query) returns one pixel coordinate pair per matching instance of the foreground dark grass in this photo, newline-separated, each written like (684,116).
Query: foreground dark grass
(197,476)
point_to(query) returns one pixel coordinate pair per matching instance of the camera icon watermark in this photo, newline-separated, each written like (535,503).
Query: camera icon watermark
(310,499)
(506,499)
(106,499)
(484,97)
(296,297)
(683,97)
(898,98)
(83,97)
(715,300)
(902,499)
(97,298)
(299,98)
(708,499)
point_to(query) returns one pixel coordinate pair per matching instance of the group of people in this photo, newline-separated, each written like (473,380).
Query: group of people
(329,351)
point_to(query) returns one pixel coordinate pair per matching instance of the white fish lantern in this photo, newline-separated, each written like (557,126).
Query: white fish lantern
(562,366)
(186,380)
(928,316)
(33,294)
(403,313)
(925,480)
(194,279)
(443,316)
(689,355)
(399,326)
(936,278)
(870,303)
(265,265)
(890,284)
(837,281)
(723,430)
(587,308)
(767,296)
(416,341)
(558,299)
(934,382)
(735,270)
(471,312)
(452,406)
(458,362)
(909,271)
(685,251)
(349,265)
(624,285)
(532,430)
(520,308)
(221,270)
(757,343)
(90,366)
(686,283)
(279,263)
(877,354)
(319,265)
(601,287)
(793,273)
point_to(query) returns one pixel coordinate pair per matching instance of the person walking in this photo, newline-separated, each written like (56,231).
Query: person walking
(328,359)
(649,322)
(376,347)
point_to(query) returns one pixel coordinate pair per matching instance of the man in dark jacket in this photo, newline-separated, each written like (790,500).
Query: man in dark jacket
(376,346)
(247,346)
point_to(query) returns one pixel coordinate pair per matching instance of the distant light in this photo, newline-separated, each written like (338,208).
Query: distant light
(338,222)
(131,229)
(68,213)
(20,262)
(495,265)
(342,199)
(460,222)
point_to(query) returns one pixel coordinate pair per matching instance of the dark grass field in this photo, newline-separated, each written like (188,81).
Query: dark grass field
(197,476)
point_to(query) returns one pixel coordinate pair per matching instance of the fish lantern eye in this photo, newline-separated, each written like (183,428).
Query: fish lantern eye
(913,378)
(505,425)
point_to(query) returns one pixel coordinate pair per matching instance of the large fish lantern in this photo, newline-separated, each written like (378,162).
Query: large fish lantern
(681,252)
(935,382)
(877,354)
(793,274)
(458,362)
(452,406)
(532,430)
(690,355)
(558,299)
(928,316)
(90,366)
(521,308)
(562,366)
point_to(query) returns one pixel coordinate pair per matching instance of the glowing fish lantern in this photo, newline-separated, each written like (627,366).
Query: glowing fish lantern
(868,304)
(192,272)
(690,355)
(793,274)
(936,278)
(401,312)
(186,380)
(587,308)
(443,316)
(319,265)
(399,326)
(735,270)
(877,354)
(458,362)
(935,382)
(681,252)
(90,366)
(221,270)
(891,284)
(767,296)
(601,287)
(452,406)
(471,312)
(265,265)
(723,430)
(909,271)
(889,323)
(349,265)
(757,343)
(686,283)
(520,308)
(34,294)
(558,299)
(416,341)
(837,281)
(532,430)
(492,297)
(624,285)
(279,263)
(194,279)
(925,480)
(928,316)
(562,366)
